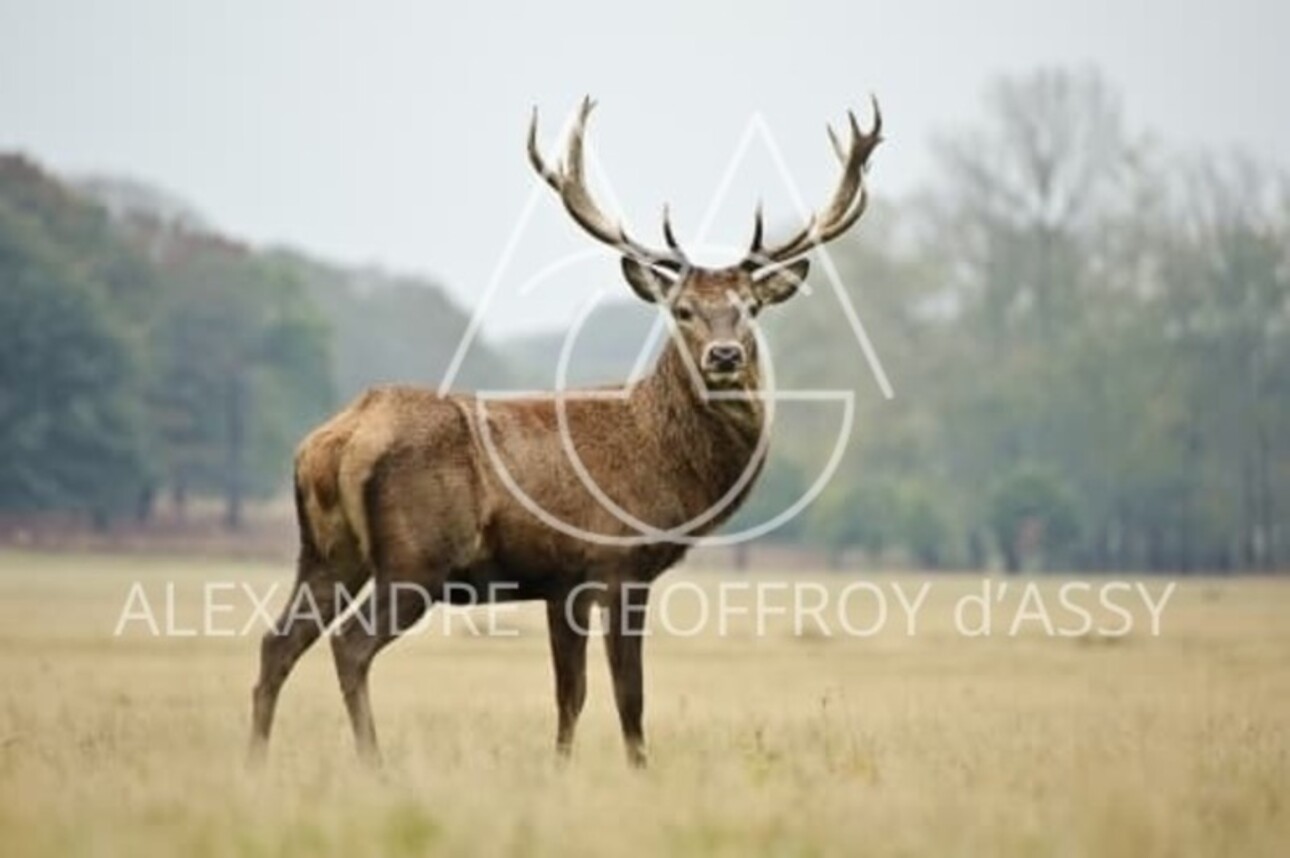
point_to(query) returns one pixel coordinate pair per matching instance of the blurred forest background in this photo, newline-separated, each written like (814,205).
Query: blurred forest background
(1091,332)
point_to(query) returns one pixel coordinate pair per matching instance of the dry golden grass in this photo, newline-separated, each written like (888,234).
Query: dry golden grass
(785,745)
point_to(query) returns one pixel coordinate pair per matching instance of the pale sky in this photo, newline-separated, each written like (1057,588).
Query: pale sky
(393,133)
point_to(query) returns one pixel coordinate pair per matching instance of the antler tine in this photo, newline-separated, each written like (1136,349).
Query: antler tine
(573,186)
(668,235)
(753,259)
(856,133)
(548,175)
(757,257)
(845,206)
(876,133)
(759,228)
(570,183)
(837,144)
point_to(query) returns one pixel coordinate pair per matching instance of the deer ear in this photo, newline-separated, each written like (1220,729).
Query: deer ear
(780,284)
(646,281)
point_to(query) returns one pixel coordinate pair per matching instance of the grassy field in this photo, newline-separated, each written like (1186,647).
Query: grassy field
(779,744)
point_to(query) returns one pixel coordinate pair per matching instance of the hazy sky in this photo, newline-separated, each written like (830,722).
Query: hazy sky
(393,133)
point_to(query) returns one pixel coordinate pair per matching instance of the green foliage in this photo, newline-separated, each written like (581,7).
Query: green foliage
(387,329)
(779,486)
(140,353)
(1032,513)
(924,527)
(864,514)
(878,514)
(71,406)
(242,367)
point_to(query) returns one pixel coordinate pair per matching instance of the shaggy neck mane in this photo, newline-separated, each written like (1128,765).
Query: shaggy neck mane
(709,442)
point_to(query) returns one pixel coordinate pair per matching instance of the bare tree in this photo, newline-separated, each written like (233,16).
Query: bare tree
(1020,190)
(1229,313)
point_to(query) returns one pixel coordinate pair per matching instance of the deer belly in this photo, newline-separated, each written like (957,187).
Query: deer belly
(492,582)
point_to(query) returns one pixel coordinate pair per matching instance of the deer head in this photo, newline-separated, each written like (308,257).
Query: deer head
(714,308)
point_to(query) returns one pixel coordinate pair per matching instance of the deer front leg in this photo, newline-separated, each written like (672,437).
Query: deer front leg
(623,642)
(567,625)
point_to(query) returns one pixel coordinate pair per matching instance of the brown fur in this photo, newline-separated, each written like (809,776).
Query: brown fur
(400,487)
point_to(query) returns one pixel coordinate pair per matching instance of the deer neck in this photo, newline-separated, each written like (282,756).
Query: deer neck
(709,440)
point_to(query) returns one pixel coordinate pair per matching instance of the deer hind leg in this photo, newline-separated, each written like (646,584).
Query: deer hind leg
(320,589)
(389,611)
(567,626)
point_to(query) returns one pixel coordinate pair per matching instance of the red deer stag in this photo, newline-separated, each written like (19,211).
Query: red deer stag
(409,488)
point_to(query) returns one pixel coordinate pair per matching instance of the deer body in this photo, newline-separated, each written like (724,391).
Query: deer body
(457,497)
(404,479)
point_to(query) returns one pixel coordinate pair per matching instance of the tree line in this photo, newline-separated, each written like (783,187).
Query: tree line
(1089,336)
(1090,339)
(144,355)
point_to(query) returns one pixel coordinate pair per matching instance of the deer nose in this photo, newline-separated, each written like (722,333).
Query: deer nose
(723,357)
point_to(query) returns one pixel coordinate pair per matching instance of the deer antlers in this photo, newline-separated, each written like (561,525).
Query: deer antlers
(845,206)
(570,182)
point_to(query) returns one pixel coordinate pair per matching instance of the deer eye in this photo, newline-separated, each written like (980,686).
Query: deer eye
(682,313)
